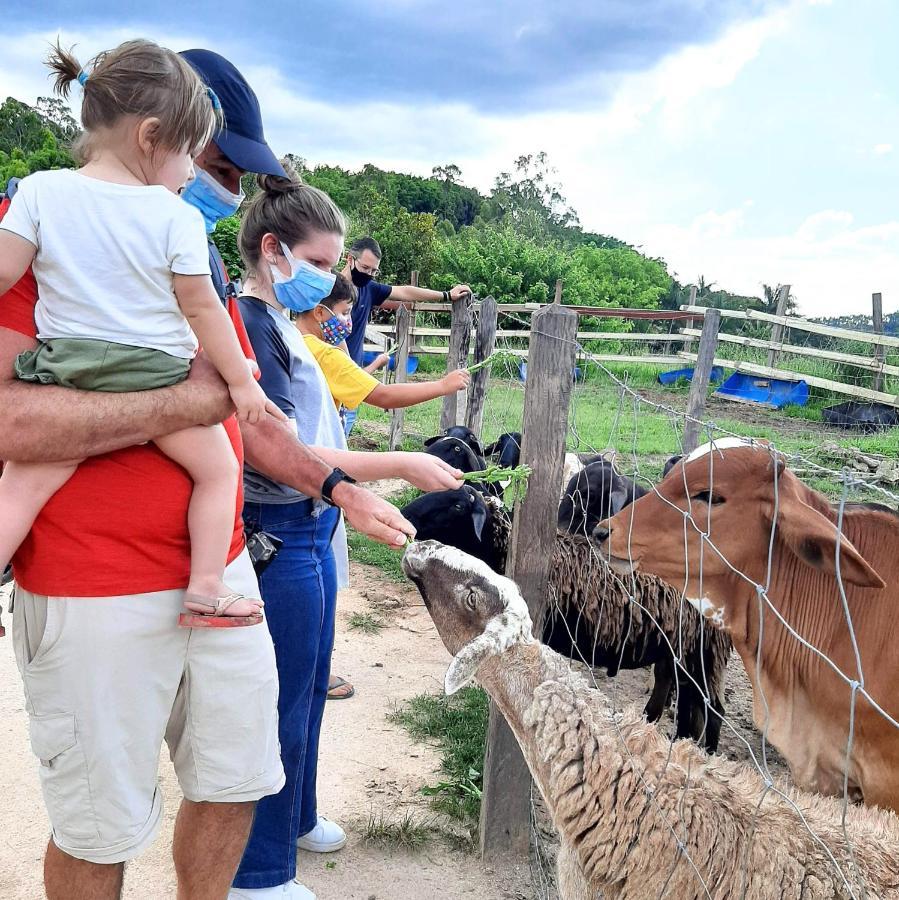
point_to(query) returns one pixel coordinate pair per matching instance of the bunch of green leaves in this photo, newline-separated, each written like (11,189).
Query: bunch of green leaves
(514,482)
(498,356)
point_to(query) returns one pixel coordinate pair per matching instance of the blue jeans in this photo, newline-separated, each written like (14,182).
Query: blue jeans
(349,420)
(299,589)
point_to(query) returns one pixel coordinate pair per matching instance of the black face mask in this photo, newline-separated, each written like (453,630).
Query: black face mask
(360,279)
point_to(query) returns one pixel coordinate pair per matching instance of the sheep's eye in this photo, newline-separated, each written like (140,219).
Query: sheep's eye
(708,497)
(458,506)
(471,600)
(456,450)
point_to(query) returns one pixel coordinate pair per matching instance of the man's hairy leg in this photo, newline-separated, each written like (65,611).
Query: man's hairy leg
(46,423)
(209,842)
(67,878)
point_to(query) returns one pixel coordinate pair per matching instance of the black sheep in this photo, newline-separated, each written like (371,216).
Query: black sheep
(506,449)
(591,616)
(595,493)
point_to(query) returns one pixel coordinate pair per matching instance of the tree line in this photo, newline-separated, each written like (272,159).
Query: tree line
(512,242)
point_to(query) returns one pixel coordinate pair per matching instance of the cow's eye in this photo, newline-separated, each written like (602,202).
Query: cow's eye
(708,497)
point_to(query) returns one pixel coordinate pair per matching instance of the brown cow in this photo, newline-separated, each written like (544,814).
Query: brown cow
(738,494)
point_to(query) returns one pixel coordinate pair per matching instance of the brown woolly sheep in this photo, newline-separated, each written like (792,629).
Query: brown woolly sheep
(639,817)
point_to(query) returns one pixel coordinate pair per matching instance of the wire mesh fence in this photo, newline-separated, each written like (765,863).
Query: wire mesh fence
(810,695)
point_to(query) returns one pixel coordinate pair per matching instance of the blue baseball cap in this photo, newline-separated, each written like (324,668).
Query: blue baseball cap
(241,138)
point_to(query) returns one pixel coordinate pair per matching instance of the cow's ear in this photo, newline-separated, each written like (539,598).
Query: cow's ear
(814,539)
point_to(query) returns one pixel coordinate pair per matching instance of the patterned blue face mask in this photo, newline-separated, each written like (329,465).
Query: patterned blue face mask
(213,200)
(306,287)
(336,329)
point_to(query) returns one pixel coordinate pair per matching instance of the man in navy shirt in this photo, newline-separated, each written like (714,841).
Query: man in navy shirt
(363,262)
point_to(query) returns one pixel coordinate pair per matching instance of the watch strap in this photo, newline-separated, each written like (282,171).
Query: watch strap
(336,476)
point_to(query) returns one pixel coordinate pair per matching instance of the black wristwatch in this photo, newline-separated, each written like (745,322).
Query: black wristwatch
(336,476)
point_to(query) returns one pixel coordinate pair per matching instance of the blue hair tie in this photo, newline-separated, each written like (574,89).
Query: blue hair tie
(82,78)
(214,100)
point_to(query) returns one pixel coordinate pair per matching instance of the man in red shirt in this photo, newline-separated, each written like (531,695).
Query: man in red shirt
(107,672)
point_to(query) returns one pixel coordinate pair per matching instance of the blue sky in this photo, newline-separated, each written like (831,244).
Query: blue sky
(748,141)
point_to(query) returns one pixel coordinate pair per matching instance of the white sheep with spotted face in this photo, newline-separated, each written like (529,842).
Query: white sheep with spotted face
(638,816)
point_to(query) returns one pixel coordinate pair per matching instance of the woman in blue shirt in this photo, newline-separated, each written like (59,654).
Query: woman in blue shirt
(291,236)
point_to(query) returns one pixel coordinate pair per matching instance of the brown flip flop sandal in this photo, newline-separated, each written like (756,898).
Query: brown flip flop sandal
(338,684)
(216,618)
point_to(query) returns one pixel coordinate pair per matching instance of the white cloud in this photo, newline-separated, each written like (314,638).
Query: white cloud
(605,157)
(832,266)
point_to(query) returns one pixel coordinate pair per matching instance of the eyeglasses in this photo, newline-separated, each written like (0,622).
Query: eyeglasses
(365,270)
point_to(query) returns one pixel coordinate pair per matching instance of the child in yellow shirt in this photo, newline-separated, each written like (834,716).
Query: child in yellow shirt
(327,325)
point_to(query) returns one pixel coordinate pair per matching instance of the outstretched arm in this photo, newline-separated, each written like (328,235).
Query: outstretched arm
(45,423)
(399,396)
(272,449)
(406,294)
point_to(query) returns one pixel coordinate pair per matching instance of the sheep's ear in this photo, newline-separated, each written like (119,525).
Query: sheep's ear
(465,664)
(433,440)
(479,519)
(618,499)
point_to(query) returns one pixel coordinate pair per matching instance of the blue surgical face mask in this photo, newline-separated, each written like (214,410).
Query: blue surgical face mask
(336,329)
(306,287)
(213,200)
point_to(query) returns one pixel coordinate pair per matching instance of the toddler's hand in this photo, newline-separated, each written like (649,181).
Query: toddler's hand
(252,404)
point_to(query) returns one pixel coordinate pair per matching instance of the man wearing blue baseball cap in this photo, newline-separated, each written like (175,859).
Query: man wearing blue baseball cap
(237,148)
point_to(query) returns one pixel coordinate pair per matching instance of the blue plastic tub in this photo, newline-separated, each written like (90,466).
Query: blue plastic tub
(577,373)
(676,375)
(369,356)
(771,392)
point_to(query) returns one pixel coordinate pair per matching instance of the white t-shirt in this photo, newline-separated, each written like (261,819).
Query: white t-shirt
(106,257)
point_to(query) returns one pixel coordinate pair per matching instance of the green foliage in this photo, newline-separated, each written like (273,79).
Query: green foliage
(408,240)
(225,238)
(514,268)
(34,138)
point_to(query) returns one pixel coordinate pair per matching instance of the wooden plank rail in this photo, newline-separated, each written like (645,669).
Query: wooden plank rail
(862,362)
(600,312)
(836,386)
(802,325)
(427,331)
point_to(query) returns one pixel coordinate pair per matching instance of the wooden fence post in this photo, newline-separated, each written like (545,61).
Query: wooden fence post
(402,358)
(777,330)
(484,342)
(505,802)
(877,322)
(702,372)
(456,358)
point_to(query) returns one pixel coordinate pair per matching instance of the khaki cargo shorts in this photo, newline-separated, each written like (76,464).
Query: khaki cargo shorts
(107,679)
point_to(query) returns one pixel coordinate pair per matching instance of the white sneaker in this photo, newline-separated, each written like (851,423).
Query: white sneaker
(326,837)
(290,890)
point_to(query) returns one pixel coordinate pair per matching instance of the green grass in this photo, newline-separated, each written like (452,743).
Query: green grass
(403,833)
(365,550)
(365,622)
(604,415)
(458,725)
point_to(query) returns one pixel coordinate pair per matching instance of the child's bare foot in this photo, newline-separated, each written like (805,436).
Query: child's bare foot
(218,601)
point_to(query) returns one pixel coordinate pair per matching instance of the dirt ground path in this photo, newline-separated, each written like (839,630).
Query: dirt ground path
(368,766)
